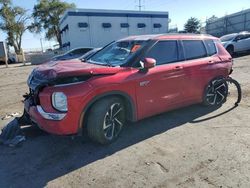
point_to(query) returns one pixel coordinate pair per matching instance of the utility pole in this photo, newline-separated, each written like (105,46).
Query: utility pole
(41,42)
(139,5)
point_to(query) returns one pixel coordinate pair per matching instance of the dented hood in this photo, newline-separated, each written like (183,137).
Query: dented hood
(55,69)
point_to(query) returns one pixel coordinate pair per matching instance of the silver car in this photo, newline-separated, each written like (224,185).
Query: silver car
(236,42)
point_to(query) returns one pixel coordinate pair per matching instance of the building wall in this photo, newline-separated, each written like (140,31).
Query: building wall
(95,35)
(233,23)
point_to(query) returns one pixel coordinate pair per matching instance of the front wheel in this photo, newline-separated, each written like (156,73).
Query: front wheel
(106,120)
(215,93)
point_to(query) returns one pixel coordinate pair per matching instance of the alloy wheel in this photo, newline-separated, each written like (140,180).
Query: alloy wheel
(113,121)
(217,92)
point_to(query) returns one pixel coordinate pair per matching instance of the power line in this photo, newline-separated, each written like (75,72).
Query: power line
(128,4)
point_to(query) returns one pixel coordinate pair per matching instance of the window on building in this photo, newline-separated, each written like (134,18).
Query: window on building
(211,48)
(194,49)
(124,25)
(83,25)
(164,52)
(157,25)
(106,25)
(141,25)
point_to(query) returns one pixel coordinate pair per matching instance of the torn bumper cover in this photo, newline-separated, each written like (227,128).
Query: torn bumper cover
(49,115)
(47,121)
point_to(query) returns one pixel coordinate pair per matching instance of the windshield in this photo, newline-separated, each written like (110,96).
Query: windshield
(228,37)
(116,54)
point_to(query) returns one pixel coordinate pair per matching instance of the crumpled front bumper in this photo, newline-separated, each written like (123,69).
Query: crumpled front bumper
(41,111)
(55,123)
(49,115)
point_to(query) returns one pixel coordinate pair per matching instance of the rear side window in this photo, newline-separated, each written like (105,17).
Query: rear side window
(211,49)
(194,49)
(164,52)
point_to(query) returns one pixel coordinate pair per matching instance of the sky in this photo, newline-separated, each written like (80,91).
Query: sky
(179,12)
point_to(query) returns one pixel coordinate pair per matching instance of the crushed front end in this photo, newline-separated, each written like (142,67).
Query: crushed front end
(53,103)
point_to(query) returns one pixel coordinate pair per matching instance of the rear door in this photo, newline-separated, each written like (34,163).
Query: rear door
(161,87)
(196,68)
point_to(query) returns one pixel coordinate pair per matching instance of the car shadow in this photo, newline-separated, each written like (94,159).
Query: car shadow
(238,55)
(43,157)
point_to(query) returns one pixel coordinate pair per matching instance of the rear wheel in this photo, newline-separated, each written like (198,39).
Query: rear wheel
(230,50)
(216,92)
(106,120)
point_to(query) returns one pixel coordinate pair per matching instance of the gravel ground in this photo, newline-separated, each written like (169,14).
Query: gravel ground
(195,146)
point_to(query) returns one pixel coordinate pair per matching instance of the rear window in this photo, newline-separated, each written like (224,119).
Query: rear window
(164,52)
(194,49)
(211,48)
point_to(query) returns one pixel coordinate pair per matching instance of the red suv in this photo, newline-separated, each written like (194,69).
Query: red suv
(127,80)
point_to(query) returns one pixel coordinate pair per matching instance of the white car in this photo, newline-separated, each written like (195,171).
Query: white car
(236,42)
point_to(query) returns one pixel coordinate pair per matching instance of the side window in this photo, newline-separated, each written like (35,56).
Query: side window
(246,36)
(194,49)
(85,50)
(80,51)
(211,49)
(242,37)
(164,52)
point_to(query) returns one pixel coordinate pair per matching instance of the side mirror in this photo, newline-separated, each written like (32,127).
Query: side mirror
(148,63)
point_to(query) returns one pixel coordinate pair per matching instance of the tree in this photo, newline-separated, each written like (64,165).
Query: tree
(47,14)
(192,25)
(14,21)
(212,19)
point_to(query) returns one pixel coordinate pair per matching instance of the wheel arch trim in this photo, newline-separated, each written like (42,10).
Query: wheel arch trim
(131,105)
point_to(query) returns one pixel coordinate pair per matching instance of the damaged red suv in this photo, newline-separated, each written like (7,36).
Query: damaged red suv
(127,80)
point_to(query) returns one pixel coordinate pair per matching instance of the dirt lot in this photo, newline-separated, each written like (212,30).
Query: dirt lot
(191,147)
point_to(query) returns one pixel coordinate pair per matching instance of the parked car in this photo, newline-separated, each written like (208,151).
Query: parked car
(89,53)
(5,55)
(236,42)
(72,54)
(128,80)
(80,59)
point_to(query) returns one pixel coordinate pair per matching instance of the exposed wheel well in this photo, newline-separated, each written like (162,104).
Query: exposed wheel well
(128,102)
(230,46)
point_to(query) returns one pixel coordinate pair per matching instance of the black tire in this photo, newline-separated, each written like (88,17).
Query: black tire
(238,87)
(105,120)
(230,50)
(216,92)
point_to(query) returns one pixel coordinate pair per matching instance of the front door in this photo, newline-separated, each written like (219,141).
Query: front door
(242,43)
(160,88)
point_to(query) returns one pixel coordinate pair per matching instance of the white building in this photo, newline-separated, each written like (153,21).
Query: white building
(96,28)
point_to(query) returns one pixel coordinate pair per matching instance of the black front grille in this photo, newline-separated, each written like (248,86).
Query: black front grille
(33,97)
